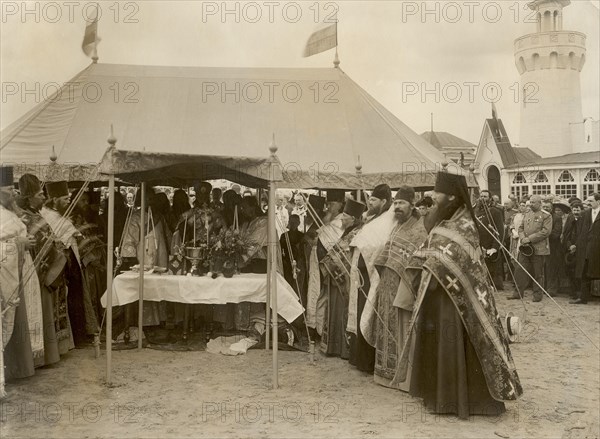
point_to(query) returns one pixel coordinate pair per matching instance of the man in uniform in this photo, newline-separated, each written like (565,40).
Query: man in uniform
(533,231)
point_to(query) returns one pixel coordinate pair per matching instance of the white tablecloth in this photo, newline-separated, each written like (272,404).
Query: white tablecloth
(203,289)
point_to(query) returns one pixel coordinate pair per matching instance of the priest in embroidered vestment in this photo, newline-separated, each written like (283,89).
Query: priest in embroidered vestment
(457,355)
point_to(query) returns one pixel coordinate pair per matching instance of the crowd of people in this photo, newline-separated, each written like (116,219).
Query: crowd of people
(542,242)
(401,288)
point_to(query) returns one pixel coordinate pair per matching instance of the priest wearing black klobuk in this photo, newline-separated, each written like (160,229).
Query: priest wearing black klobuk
(456,355)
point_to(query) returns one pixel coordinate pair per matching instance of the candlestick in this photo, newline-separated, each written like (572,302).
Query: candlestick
(206,225)
(184,229)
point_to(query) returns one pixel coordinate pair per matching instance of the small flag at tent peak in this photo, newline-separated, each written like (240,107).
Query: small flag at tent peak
(321,40)
(91,38)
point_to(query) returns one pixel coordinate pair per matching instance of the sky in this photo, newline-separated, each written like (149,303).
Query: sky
(395,50)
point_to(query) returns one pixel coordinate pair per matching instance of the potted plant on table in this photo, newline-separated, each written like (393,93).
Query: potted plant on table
(226,251)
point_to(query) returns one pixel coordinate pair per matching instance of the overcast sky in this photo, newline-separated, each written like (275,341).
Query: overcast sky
(386,47)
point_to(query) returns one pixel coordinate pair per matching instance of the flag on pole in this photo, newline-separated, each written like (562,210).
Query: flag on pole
(322,40)
(90,37)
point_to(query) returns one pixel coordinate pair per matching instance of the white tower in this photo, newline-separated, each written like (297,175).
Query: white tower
(549,62)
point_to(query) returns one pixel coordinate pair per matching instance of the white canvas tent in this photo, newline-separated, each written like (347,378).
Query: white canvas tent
(182,123)
(325,124)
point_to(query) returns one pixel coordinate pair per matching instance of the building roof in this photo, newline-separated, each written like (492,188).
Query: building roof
(224,112)
(505,149)
(526,155)
(579,158)
(442,139)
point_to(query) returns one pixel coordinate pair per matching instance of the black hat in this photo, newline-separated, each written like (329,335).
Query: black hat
(383,192)
(454,184)
(354,208)
(6,176)
(317,203)
(526,250)
(570,259)
(29,185)
(338,195)
(405,193)
(57,189)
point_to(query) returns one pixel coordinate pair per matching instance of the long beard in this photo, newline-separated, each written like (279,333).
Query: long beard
(439,213)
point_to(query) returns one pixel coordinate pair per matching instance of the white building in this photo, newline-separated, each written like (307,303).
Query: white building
(560,151)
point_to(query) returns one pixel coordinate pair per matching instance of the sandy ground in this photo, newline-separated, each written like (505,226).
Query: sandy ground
(198,394)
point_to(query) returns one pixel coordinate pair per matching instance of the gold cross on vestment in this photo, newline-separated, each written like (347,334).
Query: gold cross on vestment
(446,250)
(481,296)
(452,283)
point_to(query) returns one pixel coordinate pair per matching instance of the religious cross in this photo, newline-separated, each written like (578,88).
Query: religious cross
(481,296)
(446,250)
(511,391)
(452,283)
(338,275)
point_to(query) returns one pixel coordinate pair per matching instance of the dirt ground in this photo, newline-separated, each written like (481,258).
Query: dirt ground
(163,394)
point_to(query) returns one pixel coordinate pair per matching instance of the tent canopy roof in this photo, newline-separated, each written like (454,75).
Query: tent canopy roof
(323,121)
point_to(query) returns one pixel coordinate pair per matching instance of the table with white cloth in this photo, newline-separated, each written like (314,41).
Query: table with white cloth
(245,287)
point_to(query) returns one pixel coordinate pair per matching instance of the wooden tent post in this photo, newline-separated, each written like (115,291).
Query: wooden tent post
(272,252)
(109,265)
(142,262)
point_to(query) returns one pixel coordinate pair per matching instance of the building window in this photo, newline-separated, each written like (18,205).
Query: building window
(519,179)
(589,189)
(591,183)
(592,175)
(542,189)
(566,190)
(519,191)
(565,176)
(541,177)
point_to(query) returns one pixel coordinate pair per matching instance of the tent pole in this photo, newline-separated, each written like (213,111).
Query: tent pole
(141,258)
(109,274)
(268,304)
(272,269)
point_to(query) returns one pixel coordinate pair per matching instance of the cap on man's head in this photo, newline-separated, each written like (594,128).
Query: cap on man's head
(29,185)
(451,184)
(6,176)
(338,195)
(354,208)
(57,189)
(317,203)
(382,192)
(406,193)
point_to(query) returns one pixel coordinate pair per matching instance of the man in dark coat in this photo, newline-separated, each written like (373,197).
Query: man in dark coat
(556,276)
(490,225)
(588,249)
(573,230)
